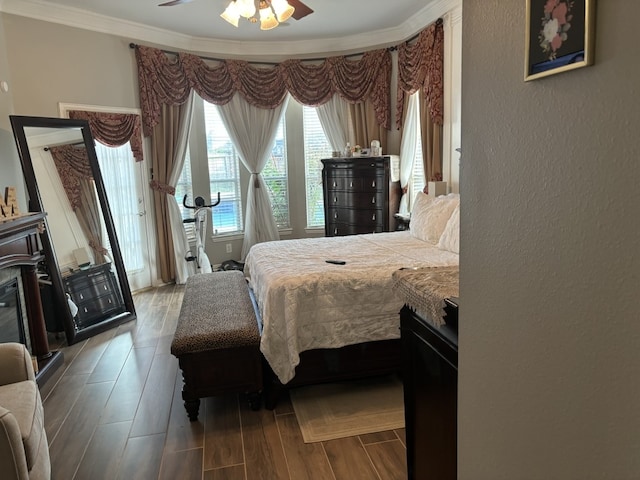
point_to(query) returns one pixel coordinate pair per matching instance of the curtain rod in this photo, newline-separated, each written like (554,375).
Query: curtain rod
(391,49)
(46,149)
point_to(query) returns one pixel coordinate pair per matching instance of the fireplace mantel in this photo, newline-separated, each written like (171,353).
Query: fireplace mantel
(19,246)
(19,240)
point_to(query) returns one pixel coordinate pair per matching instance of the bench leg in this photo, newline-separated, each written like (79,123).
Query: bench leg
(191,404)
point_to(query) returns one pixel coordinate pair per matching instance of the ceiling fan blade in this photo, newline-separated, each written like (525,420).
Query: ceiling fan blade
(301,10)
(173,2)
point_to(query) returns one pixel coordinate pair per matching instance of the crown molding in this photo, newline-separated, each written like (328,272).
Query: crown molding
(78,18)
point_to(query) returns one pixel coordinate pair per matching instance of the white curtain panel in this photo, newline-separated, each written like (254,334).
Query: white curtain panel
(253,131)
(180,243)
(334,118)
(408,151)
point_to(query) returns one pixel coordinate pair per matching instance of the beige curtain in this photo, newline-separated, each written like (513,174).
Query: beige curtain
(88,213)
(165,140)
(365,126)
(431,143)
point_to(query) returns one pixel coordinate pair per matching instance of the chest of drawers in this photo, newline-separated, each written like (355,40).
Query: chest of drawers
(96,293)
(359,196)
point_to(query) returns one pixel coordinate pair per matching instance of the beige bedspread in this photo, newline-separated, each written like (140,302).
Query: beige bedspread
(306,303)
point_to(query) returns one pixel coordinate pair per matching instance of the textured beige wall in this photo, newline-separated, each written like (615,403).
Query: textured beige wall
(51,63)
(550,254)
(6,102)
(10,170)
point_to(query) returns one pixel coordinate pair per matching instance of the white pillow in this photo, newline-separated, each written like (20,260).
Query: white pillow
(450,238)
(429,216)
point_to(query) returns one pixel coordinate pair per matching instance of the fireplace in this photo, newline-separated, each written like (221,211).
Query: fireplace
(11,319)
(20,292)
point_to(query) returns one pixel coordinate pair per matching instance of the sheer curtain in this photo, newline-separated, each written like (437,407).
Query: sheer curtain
(408,151)
(334,118)
(253,131)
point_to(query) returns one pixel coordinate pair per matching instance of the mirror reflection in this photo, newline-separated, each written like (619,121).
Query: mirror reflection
(89,289)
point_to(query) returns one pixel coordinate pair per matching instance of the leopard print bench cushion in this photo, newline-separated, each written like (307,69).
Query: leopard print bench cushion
(216,313)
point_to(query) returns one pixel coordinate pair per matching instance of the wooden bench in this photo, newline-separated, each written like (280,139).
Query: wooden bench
(217,340)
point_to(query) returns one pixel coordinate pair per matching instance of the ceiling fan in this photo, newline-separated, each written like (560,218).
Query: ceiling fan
(301,10)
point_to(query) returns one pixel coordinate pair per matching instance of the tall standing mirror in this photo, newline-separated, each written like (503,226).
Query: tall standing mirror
(84,285)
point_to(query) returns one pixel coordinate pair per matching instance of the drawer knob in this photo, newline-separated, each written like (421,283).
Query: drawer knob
(105,287)
(335,231)
(110,302)
(335,199)
(335,184)
(373,199)
(351,184)
(81,297)
(373,184)
(85,310)
(373,217)
(335,215)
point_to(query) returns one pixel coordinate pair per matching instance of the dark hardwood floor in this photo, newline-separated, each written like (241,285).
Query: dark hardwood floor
(114,411)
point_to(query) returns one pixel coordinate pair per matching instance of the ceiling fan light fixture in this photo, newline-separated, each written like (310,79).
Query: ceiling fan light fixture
(282,9)
(267,19)
(231,14)
(246,8)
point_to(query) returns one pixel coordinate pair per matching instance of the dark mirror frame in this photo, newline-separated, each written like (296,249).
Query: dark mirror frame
(73,335)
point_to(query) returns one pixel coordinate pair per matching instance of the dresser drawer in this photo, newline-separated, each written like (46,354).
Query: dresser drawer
(362,200)
(369,218)
(335,229)
(351,183)
(98,307)
(85,292)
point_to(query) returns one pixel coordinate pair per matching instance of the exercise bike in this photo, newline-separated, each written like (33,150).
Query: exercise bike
(200,217)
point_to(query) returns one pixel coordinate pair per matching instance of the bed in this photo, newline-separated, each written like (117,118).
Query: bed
(322,321)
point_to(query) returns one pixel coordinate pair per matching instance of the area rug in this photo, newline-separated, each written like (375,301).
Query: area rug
(346,409)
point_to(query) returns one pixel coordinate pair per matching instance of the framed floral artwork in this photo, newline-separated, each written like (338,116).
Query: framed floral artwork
(560,36)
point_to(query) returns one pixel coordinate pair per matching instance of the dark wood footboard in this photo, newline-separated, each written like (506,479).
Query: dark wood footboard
(336,364)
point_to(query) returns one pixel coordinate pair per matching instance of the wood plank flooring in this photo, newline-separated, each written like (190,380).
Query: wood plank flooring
(114,411)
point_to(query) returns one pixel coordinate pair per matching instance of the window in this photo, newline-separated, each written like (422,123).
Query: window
(316,147)
(417,174)
(183,188)
(275,176)
(224,174)
(417,180)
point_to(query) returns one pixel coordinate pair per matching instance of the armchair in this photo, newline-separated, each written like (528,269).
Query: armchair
(24,450)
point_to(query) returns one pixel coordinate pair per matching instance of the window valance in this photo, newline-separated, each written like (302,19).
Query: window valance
(169,80)
(72,163)
(420,66)
(114,129)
